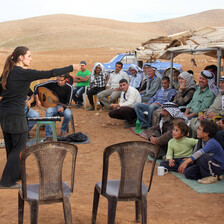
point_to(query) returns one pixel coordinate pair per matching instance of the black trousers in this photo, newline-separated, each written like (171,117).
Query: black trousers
(14,144)
(124,113)
(94,91)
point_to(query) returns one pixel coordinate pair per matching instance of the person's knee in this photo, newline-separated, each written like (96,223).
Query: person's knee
(49,112)
(67,114)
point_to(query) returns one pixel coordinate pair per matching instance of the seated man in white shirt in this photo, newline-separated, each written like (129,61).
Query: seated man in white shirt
(113,88)
(124,109)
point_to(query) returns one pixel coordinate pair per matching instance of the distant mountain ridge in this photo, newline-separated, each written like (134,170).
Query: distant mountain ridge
(70,31)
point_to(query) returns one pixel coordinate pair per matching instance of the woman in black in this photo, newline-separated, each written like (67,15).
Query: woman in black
(15,82)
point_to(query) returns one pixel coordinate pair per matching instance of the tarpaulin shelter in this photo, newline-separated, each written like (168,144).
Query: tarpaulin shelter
(208,41)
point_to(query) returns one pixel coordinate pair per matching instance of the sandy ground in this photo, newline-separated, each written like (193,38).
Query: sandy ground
(169,201)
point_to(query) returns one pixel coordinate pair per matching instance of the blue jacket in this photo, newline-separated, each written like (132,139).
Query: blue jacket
(162,96)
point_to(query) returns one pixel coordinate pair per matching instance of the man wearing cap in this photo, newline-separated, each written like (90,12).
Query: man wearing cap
(152,85)
(203,96)
(161,134)
(113,88)
(82,80)
(216,109)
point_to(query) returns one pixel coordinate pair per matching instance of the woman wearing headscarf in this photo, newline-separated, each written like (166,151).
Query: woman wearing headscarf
(97,83)
(14,85)
(186,89)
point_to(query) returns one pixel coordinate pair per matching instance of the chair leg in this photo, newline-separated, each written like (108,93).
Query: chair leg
(67,210)
(20,209)
(137,211)
(144,209)
(73,124)
(34,207)
(112,206)
(95,205)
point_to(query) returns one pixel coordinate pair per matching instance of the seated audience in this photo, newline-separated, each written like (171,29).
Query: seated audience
(162,95)
(216,109)
(136,75)
(162,133)
(220,134)
(142,86)
(113,88)
(180,146)
(175,79)
(183,96)
(70,79)
(124,109)
(206,164)
(97,84)
(204,95)
(186,89)
(82,80)
(152,85)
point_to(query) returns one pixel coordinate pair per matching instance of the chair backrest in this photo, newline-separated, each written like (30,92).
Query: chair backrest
(49,157)
(133,155)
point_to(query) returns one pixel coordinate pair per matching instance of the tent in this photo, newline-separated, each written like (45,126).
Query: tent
(208,41)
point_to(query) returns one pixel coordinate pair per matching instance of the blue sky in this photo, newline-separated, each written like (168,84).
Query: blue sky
(123,10)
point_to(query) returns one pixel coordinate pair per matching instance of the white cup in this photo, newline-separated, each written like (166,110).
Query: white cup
(162,170)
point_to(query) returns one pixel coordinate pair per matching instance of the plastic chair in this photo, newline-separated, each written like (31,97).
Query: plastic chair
(84,96)
(50,189)
(133,156)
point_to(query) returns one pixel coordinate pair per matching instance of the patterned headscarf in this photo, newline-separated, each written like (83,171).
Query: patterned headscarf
(174,111)
(189,82)
(211,81)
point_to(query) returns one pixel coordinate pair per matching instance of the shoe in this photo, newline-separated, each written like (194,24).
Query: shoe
(78,106)
(14,186)
(48,139)
(129,125)
(91,108)
(208,180)
(63,134)
(221,177)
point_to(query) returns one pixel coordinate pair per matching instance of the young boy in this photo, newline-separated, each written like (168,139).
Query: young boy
(208,159)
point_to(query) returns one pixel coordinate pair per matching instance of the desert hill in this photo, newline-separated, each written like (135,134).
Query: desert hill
(70,31)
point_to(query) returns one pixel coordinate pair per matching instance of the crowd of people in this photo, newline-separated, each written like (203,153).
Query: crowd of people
(178,118)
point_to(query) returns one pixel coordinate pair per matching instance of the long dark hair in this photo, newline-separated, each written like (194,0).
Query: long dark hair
(10,63)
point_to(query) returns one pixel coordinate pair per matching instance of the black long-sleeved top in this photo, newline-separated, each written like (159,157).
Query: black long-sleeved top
(64,93)
(12,116)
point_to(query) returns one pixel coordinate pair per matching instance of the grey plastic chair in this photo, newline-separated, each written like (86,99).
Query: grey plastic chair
(50,189)
(133,156)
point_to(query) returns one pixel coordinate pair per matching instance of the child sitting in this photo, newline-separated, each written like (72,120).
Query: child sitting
(208,159)
(180,147)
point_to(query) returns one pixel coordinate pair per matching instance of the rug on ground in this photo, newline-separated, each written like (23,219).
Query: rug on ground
(199,188)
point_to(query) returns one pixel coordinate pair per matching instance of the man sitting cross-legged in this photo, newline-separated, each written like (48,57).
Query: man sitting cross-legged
(206,164)
(124,109)
(165,94)
(64,93)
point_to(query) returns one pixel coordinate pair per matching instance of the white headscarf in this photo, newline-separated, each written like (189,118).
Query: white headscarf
(94,68)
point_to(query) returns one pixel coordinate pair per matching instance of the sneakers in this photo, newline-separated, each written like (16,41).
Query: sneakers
(128,125)
(91,108)
(48,139)
(63,134)
(14,186)
(208,180)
